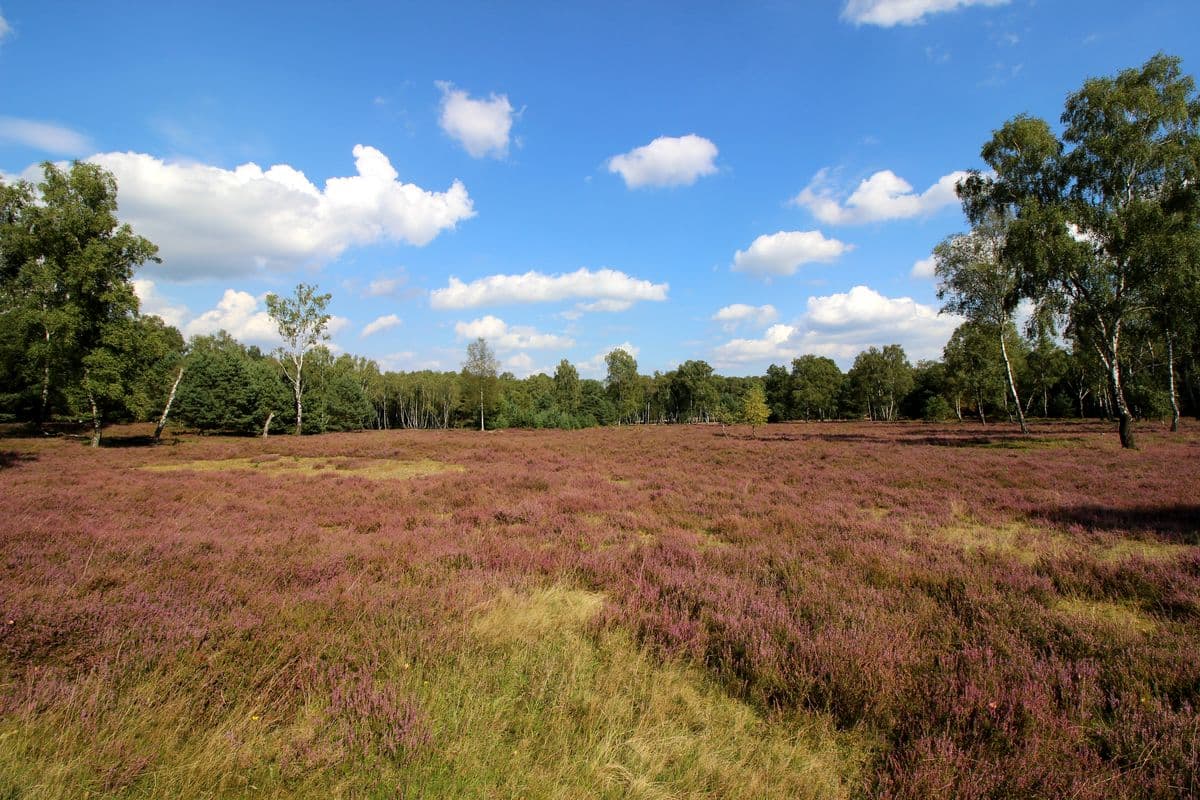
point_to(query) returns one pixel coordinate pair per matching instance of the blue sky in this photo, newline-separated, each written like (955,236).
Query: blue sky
(740,183)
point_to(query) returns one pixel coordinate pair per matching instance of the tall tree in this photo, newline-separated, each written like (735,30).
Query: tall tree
(973,365)
(480,370)
(976,282)
(66,263)
(880,379)
(302,323)
(621,381)
(816,381)
(567,391)
(779,391)
(1085,208)
(694,392)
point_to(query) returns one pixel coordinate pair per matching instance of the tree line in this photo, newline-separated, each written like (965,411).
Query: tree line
(1097,231)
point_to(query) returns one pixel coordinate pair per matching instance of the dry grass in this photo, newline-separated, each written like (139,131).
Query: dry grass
(1120,619)
(373,468)
(579,712)
(1028,543)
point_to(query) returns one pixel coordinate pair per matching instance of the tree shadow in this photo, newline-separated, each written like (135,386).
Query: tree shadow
(1174,523)
(926,435)
(14,458)
(128,441)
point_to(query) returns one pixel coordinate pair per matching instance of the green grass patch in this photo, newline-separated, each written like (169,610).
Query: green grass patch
(534,703)
(1120,619)
(539,707)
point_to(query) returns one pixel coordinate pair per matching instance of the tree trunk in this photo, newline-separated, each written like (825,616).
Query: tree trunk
(95,410)
(162,421)
(1171,382)
(299,405)
(1012,384)
(979,407)
(481,405)
(1124,418)
(41,420)
(267,424)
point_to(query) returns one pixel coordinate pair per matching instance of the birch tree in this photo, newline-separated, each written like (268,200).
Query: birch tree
(1085,208)
(480,370)
(302,322)
(977,283)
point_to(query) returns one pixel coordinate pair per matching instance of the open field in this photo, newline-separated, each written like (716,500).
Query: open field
(825,611)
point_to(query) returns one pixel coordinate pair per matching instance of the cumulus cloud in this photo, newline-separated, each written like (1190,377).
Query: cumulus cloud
(883,196)
(887,13)
(844,324)
(154,304)
(774,344)
(502,336)
(667,161)
(482,127)
(784,252)
(380,324)
(732,316)
(241,315)
(924,268)
(209,221)
(537,287)
(244,317)
(44,136)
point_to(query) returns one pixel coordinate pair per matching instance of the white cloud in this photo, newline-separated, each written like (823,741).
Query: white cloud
(596,367)
(5,28)
(380,324)
(211,221)
(44,136)
(924,268)
(244,317)
(609,305)
(538,287)
(154,304)
(241,316)
(774,344)
(502,336)
(482,127)
(784,252)
(667,161)
(382,287)
(841,326)
(883,196)
(522,365)
(863,306)
(732,316)
(887,13)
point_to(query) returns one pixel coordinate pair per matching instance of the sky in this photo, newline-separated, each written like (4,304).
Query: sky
(741,183)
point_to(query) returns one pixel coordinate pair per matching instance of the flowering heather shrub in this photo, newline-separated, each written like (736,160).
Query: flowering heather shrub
(981,614)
